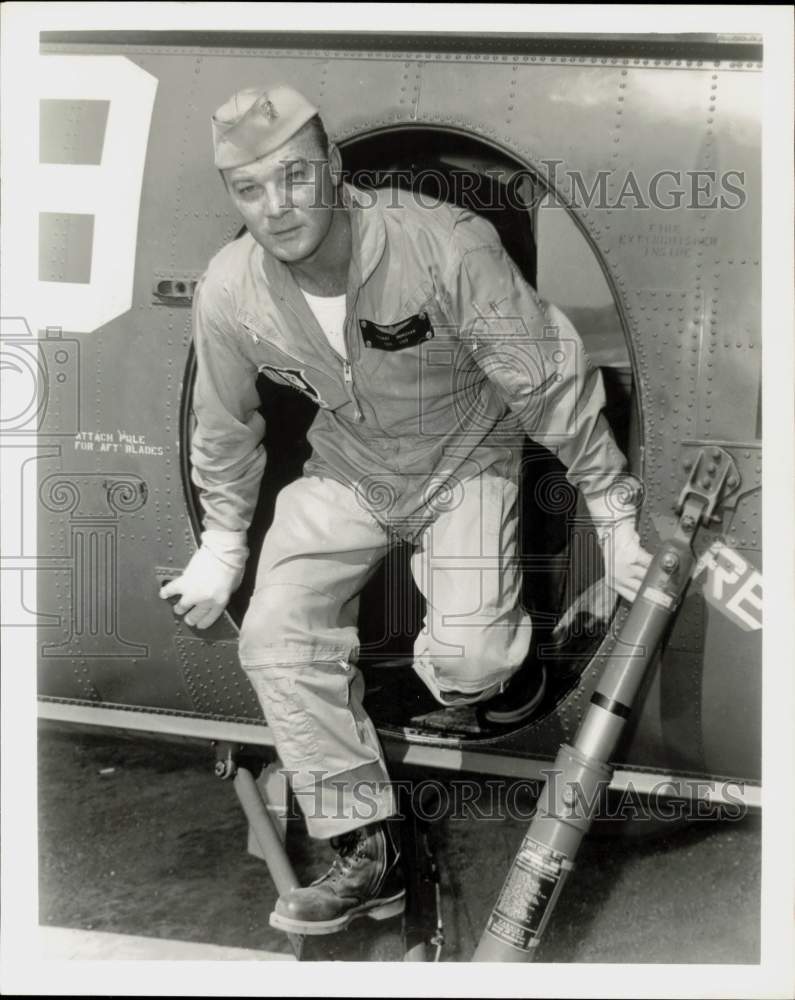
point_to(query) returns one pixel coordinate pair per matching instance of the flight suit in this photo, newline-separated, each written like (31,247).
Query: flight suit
(451,359)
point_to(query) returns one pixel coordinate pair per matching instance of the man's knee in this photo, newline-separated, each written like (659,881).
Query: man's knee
(482,662)
(263,621)
(484,656)
(290,623)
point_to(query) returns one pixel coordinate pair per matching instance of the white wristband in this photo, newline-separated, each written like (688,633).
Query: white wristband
(228,546)
(612,506)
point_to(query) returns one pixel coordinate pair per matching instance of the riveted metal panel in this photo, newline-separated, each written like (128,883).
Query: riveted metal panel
(731,359)
(216,684)
(472,94)
(65,244)
(383,90)
(72,131)
(731,698)
(666,50)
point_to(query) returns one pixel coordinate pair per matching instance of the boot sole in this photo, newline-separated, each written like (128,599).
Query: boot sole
(375,909)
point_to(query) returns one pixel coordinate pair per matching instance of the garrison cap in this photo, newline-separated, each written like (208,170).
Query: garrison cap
(255,121)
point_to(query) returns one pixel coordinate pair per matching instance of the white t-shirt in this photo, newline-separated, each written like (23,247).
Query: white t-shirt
(330,313)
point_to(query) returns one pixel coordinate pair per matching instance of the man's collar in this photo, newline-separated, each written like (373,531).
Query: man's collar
(368,232)
(368,239)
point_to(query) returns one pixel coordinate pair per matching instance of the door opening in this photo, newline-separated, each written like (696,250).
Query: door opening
(561,559)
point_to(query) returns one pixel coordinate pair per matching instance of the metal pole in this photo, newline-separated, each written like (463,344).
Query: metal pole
(265,831)
(581,773)
(422,919)
(230,765)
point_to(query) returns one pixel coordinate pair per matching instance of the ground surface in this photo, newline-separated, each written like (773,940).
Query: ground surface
(138,838)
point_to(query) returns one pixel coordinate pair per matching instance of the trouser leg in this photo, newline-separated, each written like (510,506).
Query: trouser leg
(299,643)
(475,634)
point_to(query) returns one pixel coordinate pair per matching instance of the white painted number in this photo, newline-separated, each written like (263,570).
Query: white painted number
(110,191)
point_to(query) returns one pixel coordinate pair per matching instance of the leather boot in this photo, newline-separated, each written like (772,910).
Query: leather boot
(365,879)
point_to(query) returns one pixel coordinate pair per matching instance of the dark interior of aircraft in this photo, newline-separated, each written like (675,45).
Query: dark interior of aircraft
(562,563)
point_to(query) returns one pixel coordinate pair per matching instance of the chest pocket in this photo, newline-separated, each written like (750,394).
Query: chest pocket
(295,378)
(396,336)
(288,369)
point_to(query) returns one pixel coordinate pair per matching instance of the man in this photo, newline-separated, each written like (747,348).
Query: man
(429,358)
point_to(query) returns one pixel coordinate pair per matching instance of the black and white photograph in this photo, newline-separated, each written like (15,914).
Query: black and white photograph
(397,513)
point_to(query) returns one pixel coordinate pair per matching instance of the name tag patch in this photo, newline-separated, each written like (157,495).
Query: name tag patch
(396,336)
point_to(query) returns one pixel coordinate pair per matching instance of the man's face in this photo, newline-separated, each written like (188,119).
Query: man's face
(286,198)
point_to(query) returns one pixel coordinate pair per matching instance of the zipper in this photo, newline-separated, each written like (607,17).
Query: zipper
(347,368)
(347,377)
(347,374)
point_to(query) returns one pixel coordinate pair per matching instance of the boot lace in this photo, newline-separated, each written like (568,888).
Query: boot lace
(350,850)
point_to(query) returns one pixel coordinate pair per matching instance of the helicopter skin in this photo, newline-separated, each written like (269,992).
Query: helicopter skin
(131,210)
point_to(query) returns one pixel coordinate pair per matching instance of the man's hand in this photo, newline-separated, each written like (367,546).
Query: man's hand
(626,561)
(204,588)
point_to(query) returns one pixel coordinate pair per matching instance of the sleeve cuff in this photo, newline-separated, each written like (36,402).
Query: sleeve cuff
(230,547)
(619,502)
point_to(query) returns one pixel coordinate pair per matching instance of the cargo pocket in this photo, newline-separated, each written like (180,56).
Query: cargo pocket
(292,728)
(336,720)
(316,724)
